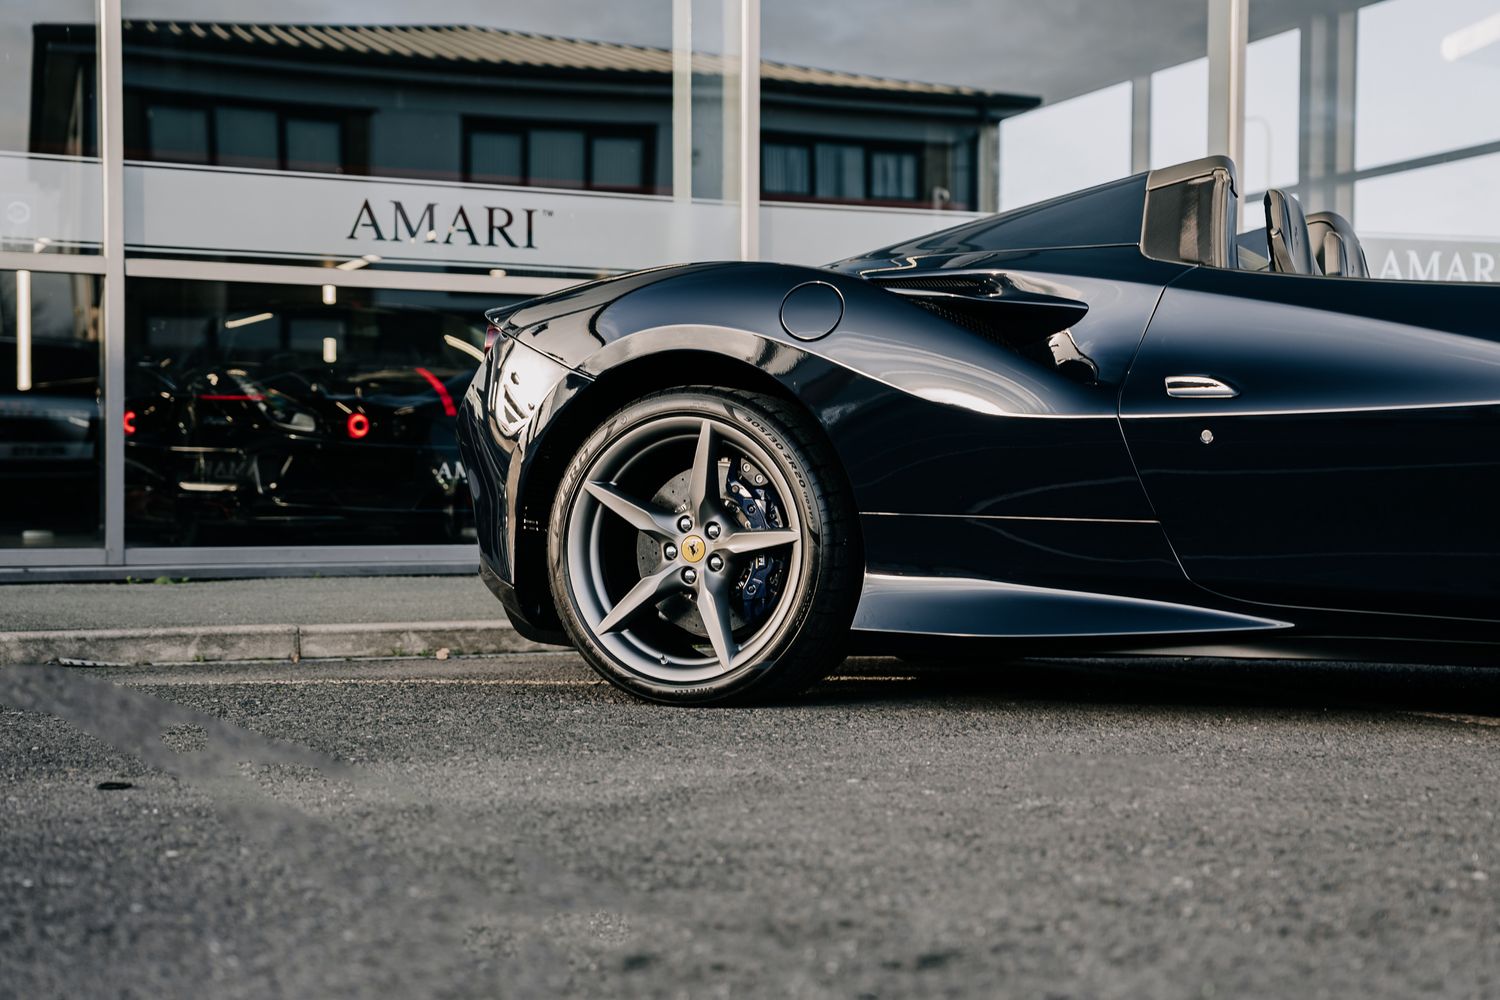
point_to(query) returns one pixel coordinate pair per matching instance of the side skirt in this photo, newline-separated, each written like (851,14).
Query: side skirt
(961,607)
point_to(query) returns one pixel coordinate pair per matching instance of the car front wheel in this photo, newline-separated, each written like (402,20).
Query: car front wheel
(703,549)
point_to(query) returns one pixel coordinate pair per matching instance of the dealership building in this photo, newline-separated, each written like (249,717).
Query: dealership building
(245,250)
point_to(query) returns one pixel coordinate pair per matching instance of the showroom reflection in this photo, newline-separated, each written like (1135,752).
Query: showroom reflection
(262,414)
(50,449)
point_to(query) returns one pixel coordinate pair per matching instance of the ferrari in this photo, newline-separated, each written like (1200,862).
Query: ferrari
(1111,421)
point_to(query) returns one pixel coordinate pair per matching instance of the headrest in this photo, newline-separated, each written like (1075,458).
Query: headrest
(1190,213)
(1335,246)
(1286,232)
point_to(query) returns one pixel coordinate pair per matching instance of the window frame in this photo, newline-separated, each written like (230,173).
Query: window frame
(645,132)
(867,148)
(140,101)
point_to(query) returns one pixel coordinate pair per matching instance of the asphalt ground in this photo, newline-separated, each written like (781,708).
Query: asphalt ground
(511,827)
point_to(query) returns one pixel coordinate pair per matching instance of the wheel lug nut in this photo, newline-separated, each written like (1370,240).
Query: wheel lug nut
(669,551)
(715,562)
(684,523)
(689,576)
(711,530)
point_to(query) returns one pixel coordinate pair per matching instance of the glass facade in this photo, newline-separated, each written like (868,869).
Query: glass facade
(1380,112)
(244,252)
(49,138)
(275,414)
(51,454)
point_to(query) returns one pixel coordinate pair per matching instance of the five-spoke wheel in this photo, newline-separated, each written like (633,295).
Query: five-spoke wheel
(689,543)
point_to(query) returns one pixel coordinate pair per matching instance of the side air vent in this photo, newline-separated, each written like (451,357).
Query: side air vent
(980,320)
(1017,312)
(959,284)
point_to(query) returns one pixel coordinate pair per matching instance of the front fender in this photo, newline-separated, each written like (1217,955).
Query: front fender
(925,416)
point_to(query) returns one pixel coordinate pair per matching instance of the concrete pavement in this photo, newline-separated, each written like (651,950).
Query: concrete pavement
(225,620)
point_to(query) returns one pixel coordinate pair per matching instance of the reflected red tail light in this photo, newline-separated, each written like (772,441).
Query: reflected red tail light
(441,390)
(491,334)
(129,421)
(358,425)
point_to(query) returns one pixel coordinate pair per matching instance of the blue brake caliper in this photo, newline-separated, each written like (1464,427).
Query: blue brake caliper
(754,589)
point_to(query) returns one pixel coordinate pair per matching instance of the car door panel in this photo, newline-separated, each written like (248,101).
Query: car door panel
(1357,460)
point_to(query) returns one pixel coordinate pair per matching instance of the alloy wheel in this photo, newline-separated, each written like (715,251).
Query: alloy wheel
(683,548)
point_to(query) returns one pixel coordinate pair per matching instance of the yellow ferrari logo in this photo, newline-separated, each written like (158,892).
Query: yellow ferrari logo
(693,548)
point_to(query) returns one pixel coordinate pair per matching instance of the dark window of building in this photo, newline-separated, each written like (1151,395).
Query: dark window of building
(893,176)
(63,118)
(176,130)
(786,169)
(796,168)
(557,158)
(497,157)
(313,144)
(618,162)
(247,137)
(177,134)
(839,172)
(599,157)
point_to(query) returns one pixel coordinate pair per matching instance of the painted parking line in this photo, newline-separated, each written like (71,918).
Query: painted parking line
(200,681)
(1468,720)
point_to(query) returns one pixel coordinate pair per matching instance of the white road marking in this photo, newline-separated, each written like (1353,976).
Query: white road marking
(188,681)
(1471,720)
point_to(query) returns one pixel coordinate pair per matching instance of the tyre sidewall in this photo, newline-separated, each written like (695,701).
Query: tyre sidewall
(792,464)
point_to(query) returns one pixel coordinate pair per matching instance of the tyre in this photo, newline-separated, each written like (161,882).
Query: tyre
(702,549)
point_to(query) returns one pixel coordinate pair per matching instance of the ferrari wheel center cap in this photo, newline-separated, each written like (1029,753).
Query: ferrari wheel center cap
(693,548)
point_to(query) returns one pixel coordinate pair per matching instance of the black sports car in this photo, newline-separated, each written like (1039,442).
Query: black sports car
(1105,421)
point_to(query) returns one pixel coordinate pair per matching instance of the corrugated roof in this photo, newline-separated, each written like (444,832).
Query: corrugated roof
(471,44)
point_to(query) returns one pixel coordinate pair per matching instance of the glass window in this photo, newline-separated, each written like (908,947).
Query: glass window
(392,101)
(517,94)
(1378,111)
(618,162)
(786,169)
(247,137)
(840,172)
(1179,113)
(314,144)
(50,457)
(1273,67)
(598,157)
(556,158)
(496,157)
(1073,144)
(963,108)
(268,414)
(893,176)
(48,58)
(49,175)
(178,134)
(1421,64)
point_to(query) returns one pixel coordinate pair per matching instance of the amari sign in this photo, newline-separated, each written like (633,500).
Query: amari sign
(1432,260)
(228,212)
(272,214)
(499,226)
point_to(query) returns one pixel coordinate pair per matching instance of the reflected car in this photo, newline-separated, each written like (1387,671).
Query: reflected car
(49,443)
(1105,422)
(230,444)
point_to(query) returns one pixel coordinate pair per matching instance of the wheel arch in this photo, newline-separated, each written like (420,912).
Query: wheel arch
(614,388)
